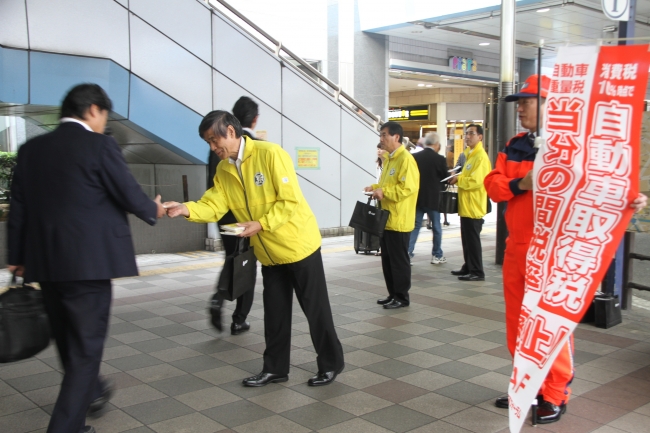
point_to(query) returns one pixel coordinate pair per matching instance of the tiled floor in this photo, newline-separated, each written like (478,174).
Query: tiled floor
(433,367)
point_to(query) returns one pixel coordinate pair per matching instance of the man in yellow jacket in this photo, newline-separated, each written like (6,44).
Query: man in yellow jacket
(472,203)
(257,181)
(397,191)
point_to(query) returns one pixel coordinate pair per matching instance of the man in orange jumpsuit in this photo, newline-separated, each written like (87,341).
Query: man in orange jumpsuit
(512,181)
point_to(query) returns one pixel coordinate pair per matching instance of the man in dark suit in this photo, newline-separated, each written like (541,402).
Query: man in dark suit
(247,112)
(433,168)
(68,230)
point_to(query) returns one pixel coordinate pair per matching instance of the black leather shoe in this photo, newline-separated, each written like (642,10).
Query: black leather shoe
(459,272)
(470,277)
(98,405)
(263,379)
(88,429)
(548,412)
(385,301)
(395,304)
(215,312)
(238,328)
(502,402)
(324,378)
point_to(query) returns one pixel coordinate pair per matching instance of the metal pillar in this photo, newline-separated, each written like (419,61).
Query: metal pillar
(506,116)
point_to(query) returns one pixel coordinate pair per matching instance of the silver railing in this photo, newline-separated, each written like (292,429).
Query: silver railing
(278,49)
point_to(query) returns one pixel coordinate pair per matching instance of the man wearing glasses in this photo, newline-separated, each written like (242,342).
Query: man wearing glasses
(472,204)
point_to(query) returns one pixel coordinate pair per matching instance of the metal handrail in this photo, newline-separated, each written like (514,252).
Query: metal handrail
(338,92)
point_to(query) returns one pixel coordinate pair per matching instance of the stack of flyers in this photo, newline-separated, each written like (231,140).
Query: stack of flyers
(231,229)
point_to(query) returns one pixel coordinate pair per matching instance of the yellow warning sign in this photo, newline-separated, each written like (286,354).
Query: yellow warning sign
(307,158)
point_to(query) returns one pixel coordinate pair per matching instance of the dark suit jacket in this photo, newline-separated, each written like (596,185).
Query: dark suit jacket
(70,195)
(213,161)
(433,168)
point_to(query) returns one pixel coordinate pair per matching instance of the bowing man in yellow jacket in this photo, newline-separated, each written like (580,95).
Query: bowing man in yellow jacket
(472,204)
(257,181)
(397,191)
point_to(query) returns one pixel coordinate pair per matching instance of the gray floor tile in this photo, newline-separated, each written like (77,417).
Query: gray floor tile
(398,419)
(237,413)
(459,370)
(450,351)
(198,363)
(14,403)
(136,315)
(389,335)
(444,336)
(172,330)
(494,337)
(469,393)
(123,328)
(180,385)
(317,416)
(134,362)
(36,381)
(158,410)
(393,368)
(22,422)
(390,350)
(154,345)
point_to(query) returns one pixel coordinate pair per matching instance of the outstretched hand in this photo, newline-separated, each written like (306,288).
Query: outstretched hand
(161,210)
(639,202)
(251,228)
(175,209)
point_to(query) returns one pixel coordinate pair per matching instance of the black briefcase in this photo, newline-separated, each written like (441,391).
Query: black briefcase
(239,271)
(448,201)
(24,326)
(607,311)
(369,219)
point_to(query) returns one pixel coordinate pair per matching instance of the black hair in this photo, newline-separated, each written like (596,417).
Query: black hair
(245,110)
(394,128)
(79,99)
(479,128)
(218,121)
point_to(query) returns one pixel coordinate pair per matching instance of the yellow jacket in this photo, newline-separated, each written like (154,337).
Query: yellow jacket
(270,195)
(400,182)
(472,197)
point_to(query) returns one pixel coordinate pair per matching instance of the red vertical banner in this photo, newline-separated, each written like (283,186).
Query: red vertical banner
(586,175)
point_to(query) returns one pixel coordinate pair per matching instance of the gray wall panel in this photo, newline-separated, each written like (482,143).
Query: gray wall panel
(172,69)
(325,207)
(358,142)
(186,22)
(310,108)
(242,60)
(354,180)
(167,236)
(97,28)
(170,182)
(145,175)
(328,175)
(466,111)
(226,93)
(13,24)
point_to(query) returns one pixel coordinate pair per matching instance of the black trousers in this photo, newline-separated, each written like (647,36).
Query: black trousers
(396,264)
(307,278)
(470,235)
(79,314)
(245,301)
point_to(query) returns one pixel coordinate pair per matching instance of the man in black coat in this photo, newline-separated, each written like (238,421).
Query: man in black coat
(68,230)
(247,112)
(433,168)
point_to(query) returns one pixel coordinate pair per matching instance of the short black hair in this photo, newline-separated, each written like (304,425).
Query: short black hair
(245,110)
(394,128)
(479,128)
(218,121)
(79,99)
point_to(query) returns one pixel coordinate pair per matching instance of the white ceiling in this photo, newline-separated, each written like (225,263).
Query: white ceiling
(580,22)
(403,81)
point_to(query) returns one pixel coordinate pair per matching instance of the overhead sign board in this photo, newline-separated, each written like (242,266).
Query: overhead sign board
(419,112)
(463,64)
(617,10)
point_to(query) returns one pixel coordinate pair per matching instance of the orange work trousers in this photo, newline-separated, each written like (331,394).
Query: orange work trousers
(555,388)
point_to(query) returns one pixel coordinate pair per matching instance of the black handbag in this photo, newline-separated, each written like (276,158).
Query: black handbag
(369,219)
(239,272)
(448,201)
(24,326)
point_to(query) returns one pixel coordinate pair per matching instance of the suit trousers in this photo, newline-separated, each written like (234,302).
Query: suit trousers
(396,265)
(245,301)
(555,387)
(470,236)
(78,312)
(307,278)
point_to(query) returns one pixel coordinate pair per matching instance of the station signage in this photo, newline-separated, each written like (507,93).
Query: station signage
(418,112)
(617,10)
(463,64)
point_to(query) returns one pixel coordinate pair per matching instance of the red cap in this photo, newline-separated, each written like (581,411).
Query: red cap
(529,89)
